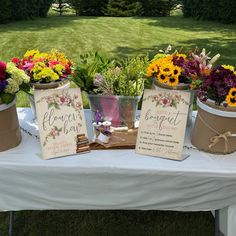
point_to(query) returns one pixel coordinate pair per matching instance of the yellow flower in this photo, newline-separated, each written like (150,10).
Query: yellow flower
(173,81)
(31,53)
(39,56)
(231,101)
(162,77)
(177,71)
(152,69)
(229,67)
(59,68)
(232,92)
(180,55)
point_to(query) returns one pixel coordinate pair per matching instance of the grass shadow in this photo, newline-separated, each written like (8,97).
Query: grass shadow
(39,24)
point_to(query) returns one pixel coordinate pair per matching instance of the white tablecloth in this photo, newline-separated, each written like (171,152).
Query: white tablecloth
(118,179)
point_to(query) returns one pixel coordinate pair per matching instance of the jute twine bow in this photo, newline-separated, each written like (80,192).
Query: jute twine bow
(216,139)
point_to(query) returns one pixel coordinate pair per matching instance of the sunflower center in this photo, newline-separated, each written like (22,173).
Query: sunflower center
(232,100)
(234,93)
(162,77)
(172,80)
(175,72)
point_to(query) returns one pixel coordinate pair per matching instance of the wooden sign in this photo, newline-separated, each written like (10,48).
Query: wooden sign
(61,122)
(162,124)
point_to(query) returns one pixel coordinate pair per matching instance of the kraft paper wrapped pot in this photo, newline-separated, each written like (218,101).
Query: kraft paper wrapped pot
(10,134)
(215,128)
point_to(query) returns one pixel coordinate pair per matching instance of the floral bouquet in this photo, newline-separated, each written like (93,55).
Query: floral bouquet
(44,67)
(214,130)
(181,68)
(12,80)
(220,86)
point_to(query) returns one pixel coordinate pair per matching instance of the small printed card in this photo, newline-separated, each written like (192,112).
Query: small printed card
(61,122)
(162,124)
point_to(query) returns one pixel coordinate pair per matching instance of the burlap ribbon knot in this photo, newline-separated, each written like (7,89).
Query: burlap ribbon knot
(216,139)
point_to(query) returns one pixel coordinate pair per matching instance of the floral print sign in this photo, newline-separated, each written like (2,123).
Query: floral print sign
(162,124)
(60,118)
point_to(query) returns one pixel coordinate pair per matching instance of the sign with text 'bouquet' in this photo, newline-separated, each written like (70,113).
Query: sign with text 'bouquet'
(61,122)
(163,123)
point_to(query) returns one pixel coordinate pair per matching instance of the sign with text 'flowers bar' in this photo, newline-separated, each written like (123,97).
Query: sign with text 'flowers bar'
(162,124)
(61,122)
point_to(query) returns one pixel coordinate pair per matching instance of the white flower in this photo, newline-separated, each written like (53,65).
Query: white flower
(12,87)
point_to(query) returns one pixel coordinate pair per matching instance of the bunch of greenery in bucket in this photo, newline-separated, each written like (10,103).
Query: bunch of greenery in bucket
(180,70)
(114,88)
(12,80)
(46,71)
(215,129)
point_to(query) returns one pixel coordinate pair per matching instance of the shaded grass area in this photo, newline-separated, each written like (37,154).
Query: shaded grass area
(115,37)
(112,223)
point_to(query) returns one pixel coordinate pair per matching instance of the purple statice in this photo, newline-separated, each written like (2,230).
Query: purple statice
(3,85)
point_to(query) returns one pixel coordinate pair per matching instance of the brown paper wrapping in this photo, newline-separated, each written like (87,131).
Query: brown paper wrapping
(10,135)
(118,140)
(202,132)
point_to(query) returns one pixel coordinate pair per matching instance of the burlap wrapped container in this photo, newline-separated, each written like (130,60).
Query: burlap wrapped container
(215,128)
(10,135)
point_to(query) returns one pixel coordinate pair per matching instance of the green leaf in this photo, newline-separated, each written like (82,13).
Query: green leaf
(7,98)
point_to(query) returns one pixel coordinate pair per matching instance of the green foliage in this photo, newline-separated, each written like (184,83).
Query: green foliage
(158,7)
(5,11)
(6,98)
(11,10)
(132,77)
(88,65)
(88,7)
(221,10)
(123,8)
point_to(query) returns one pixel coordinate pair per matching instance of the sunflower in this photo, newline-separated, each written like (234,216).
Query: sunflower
(232,92)
(231,101)
(152,69)
(173,81)
(162,77)
(177,71)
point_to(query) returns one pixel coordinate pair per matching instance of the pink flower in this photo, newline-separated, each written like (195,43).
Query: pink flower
(63,100)
(165,102)
(28,66)
(3,75)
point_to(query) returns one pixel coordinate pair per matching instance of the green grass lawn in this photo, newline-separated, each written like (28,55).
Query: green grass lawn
(116,37)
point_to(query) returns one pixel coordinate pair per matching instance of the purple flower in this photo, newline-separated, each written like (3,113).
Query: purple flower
(3,85)
(98,79)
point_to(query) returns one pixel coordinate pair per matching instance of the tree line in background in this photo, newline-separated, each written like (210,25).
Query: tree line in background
(217,10)
(117,7)
(12,10)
